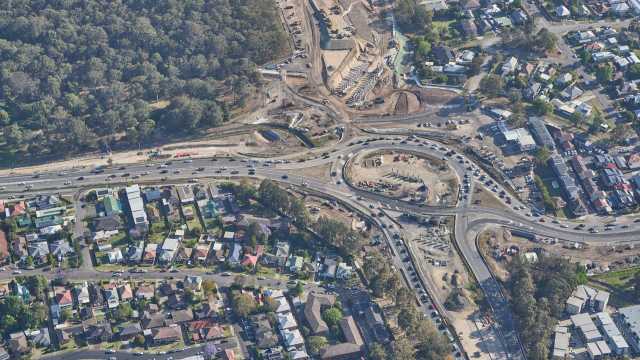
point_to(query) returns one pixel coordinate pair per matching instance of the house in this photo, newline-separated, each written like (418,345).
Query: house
(145,291)
(279,255)
(169,249)
(562,11)
(135,251)
(193,283)
(60,249)
(20,291)
(286,321)
(107,223)
(564,79)
(292,338)
(165,335)
(571,93)
(19,247)
(329,268)
(111,205)
(149,255)
(82,294)
(182,316)
(234,259)
(154,320)
(186,194)
(313,314)
(138,216)
(39,338)
(519,17)
(343,271)
(38,251)
(18,343)
(200,253)
(126,293)
(375,322)
(64,299)
(341,351)
(151,194)
(130,331)
(282,305)
(509,66)
(443,54)
(204,330)
(99,333)
(114,256)
(249,260)
(265,337)
(469,28)
(111,298)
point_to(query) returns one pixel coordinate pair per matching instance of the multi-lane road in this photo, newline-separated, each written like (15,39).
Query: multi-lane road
(468,217)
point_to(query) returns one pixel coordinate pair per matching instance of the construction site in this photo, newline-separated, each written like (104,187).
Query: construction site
(404,176)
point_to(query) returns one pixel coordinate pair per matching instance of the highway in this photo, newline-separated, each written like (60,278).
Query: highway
(468,217)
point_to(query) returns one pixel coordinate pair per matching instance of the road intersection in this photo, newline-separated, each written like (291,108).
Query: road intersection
(468,218)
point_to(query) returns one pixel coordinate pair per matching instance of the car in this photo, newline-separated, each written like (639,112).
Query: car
(110,351)
(235,172)
(285,176)
(80,178)
(16,272)
(226,274)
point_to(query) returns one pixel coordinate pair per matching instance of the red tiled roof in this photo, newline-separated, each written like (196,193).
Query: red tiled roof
(249,260)
(18,208)
(64,298)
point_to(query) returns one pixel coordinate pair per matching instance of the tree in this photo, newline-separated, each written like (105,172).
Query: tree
(545,40)
(209,287)
(634,71)
(299,289)
(316,344)
(403,349)
(491,85)
(139,340)
(111,79)
(408,319)
(243,304)
(65,315)
(636,283)
(332,316)
(377,352)
(604,73)
(542,155)
(476,64)
(123,312)
(542,107)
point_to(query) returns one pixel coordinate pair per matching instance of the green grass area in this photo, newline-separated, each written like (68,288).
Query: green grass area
(619,283)
(548,177)
(120,239)
(157,232)
(618,278)
(195,222)
(438,25)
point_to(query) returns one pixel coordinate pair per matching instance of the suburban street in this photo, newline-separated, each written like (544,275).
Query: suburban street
(468,217)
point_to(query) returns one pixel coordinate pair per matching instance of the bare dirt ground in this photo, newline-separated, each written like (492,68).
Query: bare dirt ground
(497,240)
(405,176)
(486,198)
(316,172)
(468,323)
